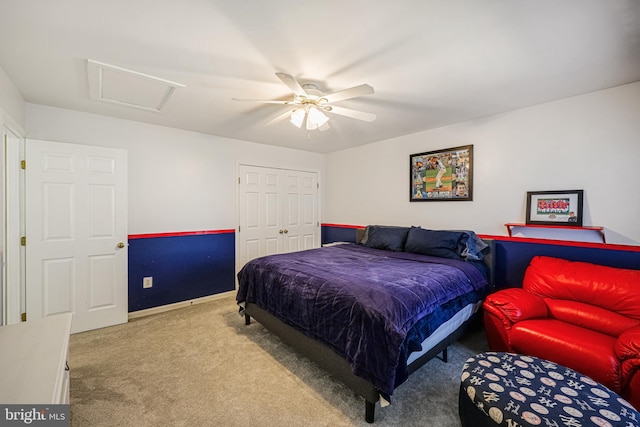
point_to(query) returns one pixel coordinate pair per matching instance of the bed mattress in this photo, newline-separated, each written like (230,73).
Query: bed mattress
(371,306)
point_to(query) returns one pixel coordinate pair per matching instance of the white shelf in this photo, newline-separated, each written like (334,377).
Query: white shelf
(33,361)
(557,232)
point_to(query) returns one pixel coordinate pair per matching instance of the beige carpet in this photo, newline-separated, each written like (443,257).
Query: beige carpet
(201,366)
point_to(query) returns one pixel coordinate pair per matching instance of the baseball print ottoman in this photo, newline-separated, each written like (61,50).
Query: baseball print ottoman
(513,390)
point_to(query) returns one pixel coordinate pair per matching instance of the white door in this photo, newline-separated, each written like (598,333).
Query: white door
(277,212)
(76,242)
(301,226)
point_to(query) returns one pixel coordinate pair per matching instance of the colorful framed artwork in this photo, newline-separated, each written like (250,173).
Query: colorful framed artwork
(555,207)
(442,175)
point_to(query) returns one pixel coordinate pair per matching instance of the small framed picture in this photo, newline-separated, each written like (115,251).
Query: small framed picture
(555,207)
(441,175)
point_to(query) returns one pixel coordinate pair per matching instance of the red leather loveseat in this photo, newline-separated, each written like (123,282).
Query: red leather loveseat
(580,315)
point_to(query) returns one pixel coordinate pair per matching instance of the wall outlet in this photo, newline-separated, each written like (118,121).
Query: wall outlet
(147,282)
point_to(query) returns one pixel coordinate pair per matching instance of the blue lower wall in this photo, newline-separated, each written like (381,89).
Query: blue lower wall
(186,267)
(333,233)
(512,257)
(183,268)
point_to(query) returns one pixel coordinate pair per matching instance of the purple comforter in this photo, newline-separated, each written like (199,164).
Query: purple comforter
(359,301)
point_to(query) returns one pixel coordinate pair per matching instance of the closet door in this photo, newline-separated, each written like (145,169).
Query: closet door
(300,223)
(277,212)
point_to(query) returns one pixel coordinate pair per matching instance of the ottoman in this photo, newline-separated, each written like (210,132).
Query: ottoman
(507,389)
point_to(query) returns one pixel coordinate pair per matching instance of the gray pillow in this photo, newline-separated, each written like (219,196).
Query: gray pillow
(439,243)
(385,237)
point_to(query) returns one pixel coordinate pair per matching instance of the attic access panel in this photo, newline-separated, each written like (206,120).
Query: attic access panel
(116,85)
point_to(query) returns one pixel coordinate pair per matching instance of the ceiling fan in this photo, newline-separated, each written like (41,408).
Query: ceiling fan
(309,104)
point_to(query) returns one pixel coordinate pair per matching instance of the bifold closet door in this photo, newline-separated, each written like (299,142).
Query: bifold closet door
(277,212)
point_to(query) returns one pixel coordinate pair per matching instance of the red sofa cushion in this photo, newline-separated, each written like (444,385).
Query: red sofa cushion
(614,289)
(589,352)
(589,316)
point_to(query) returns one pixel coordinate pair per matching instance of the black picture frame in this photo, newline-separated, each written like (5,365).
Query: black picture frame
(441,175)
(561,207)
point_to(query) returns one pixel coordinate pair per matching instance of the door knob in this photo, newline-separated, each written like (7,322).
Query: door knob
(120,245)
(286,231)
(280,231)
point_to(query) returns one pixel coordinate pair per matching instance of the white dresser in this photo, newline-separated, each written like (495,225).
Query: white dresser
(33,361)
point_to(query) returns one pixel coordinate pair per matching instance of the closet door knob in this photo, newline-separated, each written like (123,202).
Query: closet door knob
(120,245)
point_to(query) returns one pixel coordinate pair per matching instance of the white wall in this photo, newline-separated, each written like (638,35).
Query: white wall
(12,117)
(178,180)
(181,181)
(589,142)
(12,104)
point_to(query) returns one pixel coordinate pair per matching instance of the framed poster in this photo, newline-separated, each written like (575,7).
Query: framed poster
(442,175)
(555,207)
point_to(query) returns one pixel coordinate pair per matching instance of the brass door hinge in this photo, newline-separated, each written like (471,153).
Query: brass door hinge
(23,241)
(23,317)
(23,164)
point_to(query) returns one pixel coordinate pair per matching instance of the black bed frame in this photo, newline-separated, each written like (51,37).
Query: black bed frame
(336,365)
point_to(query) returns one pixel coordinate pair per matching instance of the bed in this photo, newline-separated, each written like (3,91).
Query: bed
(371,312)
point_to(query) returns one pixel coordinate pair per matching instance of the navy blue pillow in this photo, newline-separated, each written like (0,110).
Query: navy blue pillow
(440,243)
(387,238)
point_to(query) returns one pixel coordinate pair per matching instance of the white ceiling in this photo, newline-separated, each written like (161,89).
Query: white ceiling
(431,62)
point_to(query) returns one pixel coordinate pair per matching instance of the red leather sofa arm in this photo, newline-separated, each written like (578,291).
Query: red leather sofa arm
(628,344)
(627,349)
(514,305)
(503,308)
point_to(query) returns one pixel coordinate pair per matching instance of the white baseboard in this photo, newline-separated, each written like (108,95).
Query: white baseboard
(181,304)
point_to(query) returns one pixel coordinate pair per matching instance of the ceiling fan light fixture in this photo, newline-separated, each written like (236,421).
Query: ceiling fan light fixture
(309,104)
(311,125)
(316,117)
(297,117)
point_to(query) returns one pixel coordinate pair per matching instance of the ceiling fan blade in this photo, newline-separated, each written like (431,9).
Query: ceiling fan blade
(279,118)
(292,84)
(262,101)
(354,114)
(349,93)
